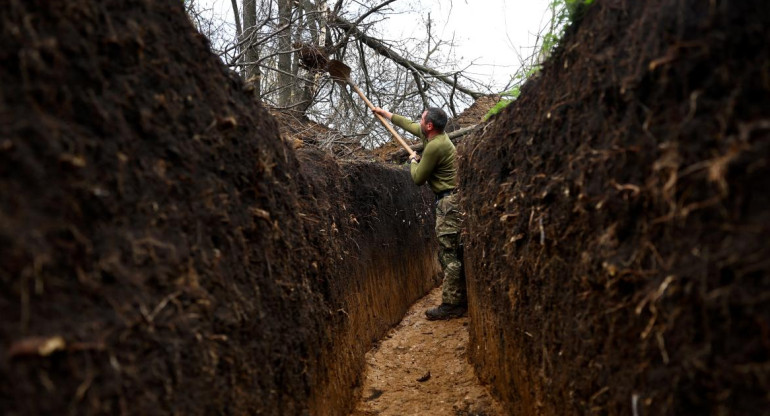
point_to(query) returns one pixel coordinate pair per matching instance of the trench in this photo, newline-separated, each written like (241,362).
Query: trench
(164,250)
(421,367)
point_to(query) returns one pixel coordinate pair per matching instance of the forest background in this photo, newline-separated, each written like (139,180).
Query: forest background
(405,54)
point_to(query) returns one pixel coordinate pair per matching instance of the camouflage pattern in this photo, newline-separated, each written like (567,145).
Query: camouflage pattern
(448,223)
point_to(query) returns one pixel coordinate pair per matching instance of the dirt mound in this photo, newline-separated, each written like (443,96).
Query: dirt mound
(161,249)
(616,233)
(300,132)
(389,151)
(474,114)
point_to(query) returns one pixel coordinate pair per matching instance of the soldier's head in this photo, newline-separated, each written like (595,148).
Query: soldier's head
(433,121)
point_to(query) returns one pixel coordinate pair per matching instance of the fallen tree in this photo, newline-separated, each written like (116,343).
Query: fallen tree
(382,49)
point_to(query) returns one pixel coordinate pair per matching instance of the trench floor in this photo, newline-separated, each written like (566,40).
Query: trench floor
(421,368)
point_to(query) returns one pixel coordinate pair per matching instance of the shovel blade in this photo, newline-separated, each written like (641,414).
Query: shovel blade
(339,71)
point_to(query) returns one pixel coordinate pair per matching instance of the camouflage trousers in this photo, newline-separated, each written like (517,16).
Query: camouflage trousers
(448,223)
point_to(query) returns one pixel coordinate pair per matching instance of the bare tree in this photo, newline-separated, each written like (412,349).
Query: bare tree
(215,29)
(404,74)
(247,48)
(285,75)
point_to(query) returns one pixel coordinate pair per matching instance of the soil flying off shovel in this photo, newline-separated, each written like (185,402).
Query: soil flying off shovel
(341,73)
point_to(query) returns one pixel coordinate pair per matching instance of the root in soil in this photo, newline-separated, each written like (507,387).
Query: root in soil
(617,215)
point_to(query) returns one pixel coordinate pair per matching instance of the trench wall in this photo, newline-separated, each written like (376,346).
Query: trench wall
(162,251)
(376,232)
(617,216)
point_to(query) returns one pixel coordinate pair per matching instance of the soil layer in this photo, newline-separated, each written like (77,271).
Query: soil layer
(374,230)
(617,218)
(162,250)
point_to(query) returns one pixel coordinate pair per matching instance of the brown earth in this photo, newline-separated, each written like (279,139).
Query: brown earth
(618,214)
(162,250)
(474,114)
(421,367)
(387,151)
(301,132)
(373,229)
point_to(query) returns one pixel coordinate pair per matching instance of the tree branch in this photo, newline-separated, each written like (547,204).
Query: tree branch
(238,29)
(365,15)
(418,82)
(451,98)
(383,50)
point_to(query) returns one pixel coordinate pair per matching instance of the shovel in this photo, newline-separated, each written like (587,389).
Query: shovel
(341,72)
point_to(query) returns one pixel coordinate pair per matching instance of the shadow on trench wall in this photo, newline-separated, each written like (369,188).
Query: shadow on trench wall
(616,236)
(375,229)
(159,251)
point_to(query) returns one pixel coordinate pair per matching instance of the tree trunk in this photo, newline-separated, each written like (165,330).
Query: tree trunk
(285,79)
(238,27)
(316,22)
(251,71)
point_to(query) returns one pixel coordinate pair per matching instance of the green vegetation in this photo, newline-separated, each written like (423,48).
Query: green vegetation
(513,93)
(563,13)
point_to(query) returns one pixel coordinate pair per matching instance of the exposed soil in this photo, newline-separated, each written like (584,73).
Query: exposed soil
(618,213)
(146,206)
(162,250)
(421,367)
(357,214)
(301,132)
(473,114)
(388,150)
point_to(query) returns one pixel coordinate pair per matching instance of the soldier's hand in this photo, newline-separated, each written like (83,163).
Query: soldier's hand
(382,112)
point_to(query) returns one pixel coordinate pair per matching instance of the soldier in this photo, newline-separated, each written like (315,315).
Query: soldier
(437,167)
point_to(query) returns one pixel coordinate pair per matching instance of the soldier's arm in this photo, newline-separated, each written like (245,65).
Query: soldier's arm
(407,125)
(421,171)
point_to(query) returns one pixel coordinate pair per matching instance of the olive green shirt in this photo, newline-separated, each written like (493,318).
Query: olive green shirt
(437,165)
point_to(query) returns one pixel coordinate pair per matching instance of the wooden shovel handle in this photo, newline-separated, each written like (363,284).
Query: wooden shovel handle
(385,123)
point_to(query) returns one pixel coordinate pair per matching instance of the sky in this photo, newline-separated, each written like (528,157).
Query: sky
(487,33)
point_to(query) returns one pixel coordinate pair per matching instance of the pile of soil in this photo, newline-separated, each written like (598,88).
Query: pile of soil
(391,150)
(301,131)
(616,241)
(474,114)
(162,250)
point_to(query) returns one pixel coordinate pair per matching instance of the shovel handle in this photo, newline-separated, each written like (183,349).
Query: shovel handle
(385,123)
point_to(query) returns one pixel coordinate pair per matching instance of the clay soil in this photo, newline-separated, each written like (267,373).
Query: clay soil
(421,368)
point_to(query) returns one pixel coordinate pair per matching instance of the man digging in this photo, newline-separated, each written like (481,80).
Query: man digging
(437,167)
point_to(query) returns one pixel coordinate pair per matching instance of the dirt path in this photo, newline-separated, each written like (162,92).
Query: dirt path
(434,352)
